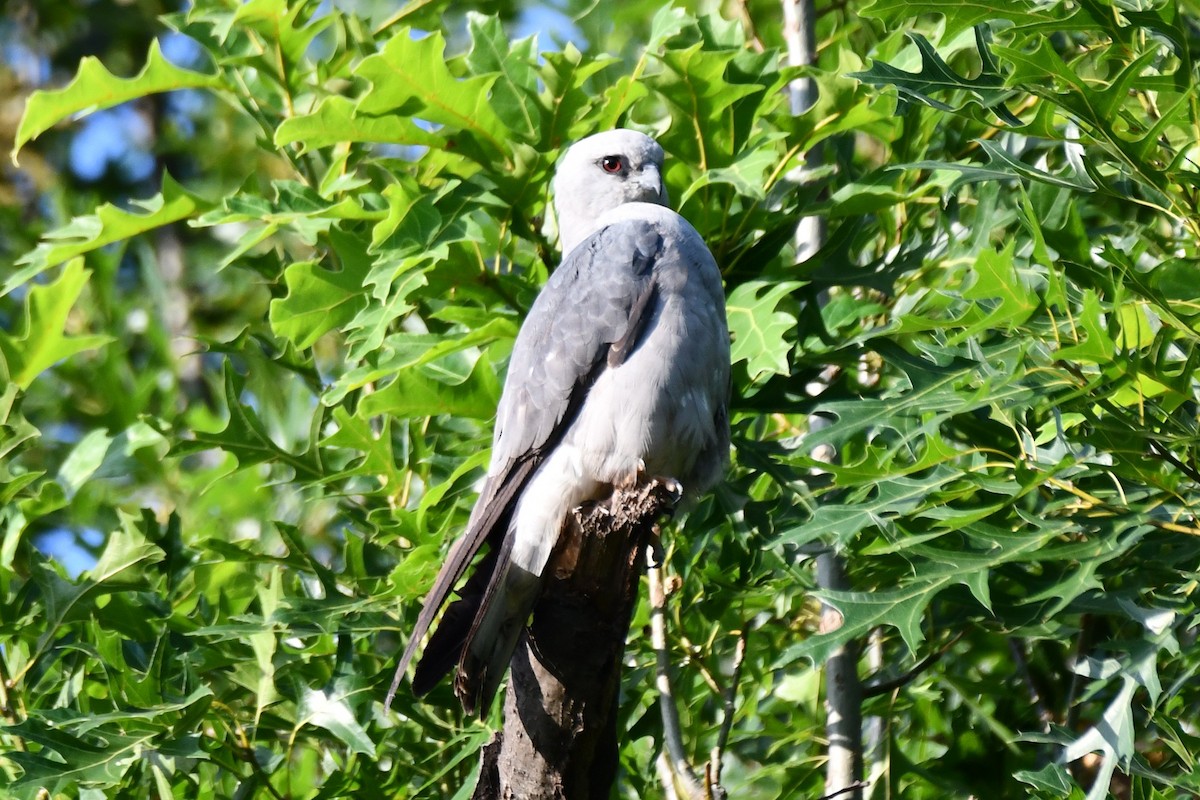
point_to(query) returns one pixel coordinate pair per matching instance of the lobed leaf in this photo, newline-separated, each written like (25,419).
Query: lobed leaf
(94,88)
(759,329)
(410,78)
(40,342)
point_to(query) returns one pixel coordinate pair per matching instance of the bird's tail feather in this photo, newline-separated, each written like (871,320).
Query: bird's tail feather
(444,649)
(503,613)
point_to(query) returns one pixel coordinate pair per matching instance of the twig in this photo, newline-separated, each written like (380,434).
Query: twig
(743,10)
(854,787)
(873,735)
(1169,457)
(1021,659)
(876,688)
(800,34)
(739,655)
(1035,696)
(678,766)
(7,711)
(843,690)
(1087,627)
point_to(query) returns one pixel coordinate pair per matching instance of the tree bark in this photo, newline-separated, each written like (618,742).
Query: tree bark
(559,740)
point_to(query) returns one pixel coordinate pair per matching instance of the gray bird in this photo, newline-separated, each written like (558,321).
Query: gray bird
(620,371)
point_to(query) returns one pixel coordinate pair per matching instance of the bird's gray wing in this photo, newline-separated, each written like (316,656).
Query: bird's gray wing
(596,299)
(588,317)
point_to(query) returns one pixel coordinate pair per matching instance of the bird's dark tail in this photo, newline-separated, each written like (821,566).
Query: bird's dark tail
(503,612)
(445,647)
(489,521)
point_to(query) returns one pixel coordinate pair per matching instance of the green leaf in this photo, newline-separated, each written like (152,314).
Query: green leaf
(747,174)
(337,119)
(1000,293)
(102,760)
(862,612)
(426,391)
(108,225)
(94,88)
(566,75)
(959,16)
(709,106)
(514,94)
(99,749)
(1000,159)
(937,394)
(378,458)
(1097,107)
(126,552)
(759,329)
(1050,778)
(889,499)
(368,329)
(1097,346)
(40,342)
(1003,166)
(245,436)
(869,195)
(411,222)
(1113,737)
(283,26)
(329,710)
(401,351)
(319,299)
(987,90)
(265,643)
(410,78)
(85,458)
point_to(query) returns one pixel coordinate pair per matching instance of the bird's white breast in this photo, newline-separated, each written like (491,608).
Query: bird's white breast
(656,409)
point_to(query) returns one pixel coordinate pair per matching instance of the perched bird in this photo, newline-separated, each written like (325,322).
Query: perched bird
(620,371)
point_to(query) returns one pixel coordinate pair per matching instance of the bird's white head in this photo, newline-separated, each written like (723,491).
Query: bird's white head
(601,172)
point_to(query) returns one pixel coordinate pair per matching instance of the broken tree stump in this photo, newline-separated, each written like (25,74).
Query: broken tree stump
(559,740)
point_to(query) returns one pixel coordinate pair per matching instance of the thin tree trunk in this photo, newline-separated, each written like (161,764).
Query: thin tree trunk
(843,690)
(843,693)
(559,739)
(800,33)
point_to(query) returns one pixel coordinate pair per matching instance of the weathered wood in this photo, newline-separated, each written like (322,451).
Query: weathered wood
(559,740)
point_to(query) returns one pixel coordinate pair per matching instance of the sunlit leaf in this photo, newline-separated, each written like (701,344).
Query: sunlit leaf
(410,77)
(94,88)
(40,341)
(108,225)
(759,328)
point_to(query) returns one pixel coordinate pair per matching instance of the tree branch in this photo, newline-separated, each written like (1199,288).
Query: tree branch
(843,690)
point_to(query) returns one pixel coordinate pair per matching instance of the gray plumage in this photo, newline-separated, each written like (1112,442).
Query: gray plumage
(620,370)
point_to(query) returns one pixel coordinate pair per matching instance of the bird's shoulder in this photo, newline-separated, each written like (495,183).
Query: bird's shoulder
(629,241)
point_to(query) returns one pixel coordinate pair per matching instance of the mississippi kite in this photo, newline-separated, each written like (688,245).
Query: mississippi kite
(621,370)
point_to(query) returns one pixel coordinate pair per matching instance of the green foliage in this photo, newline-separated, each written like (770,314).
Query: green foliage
(261,401)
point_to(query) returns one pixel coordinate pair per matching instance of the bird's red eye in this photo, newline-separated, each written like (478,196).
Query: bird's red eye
(611,164)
